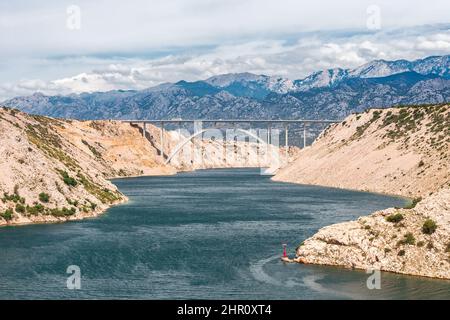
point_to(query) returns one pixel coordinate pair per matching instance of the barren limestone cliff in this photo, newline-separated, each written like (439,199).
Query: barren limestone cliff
(401,151)
(56,170)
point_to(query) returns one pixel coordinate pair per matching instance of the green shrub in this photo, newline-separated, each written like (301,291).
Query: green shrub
(394,218)
(64,212)
(420,243)
(44,197)
(14,198)
(407,239)
(36,209)
(93,206)
(72,203)
(68,179)
(447,249)
(7,215)
(20,208)
(413,204)
(429,226)
(401,253)
(92,149)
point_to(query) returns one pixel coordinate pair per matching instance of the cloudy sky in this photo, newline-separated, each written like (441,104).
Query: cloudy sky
(60,47)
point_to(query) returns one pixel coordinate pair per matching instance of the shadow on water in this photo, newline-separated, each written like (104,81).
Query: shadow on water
(199,235)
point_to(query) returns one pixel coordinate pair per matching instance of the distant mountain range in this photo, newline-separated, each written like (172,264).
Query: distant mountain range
(332,93)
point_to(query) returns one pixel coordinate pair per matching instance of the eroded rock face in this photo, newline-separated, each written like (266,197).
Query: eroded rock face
(44,177)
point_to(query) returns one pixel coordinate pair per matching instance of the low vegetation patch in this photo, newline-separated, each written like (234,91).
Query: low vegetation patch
(103,194)
(20,208)
(7,214)
(408,239)
(49,142)
(92,149)
(429,226)
(413,203)
(361,129)
(35,209)
(44,197)
(72,202)
(13,197)
(409,119)
(395,218)
(64,212)
(68,180)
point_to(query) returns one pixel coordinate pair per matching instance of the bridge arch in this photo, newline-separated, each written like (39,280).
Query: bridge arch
(180,146)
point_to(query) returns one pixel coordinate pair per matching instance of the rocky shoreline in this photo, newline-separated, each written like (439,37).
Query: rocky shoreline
(44,219)
(398,151)
(408,241)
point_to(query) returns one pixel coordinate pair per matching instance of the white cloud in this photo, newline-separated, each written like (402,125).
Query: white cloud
(124,45)
(440,41)
(294,60)
(30,27)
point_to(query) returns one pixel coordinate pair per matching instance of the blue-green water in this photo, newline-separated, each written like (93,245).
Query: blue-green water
(213,234)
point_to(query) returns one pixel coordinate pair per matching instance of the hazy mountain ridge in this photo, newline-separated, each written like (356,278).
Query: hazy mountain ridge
(332,93)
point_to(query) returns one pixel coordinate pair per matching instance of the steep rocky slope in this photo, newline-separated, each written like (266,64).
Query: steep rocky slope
(403,151)
(56,170)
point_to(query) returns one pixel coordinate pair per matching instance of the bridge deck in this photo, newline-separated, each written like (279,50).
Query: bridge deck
(234,121)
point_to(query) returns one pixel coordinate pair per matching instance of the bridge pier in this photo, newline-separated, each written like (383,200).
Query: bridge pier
(162,140)
(269,132)
(286,142)
(304,134)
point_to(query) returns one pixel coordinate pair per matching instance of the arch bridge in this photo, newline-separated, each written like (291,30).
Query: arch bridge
(270,123)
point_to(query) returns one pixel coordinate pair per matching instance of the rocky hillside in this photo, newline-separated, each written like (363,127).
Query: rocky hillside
(56,170)
(403,151)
